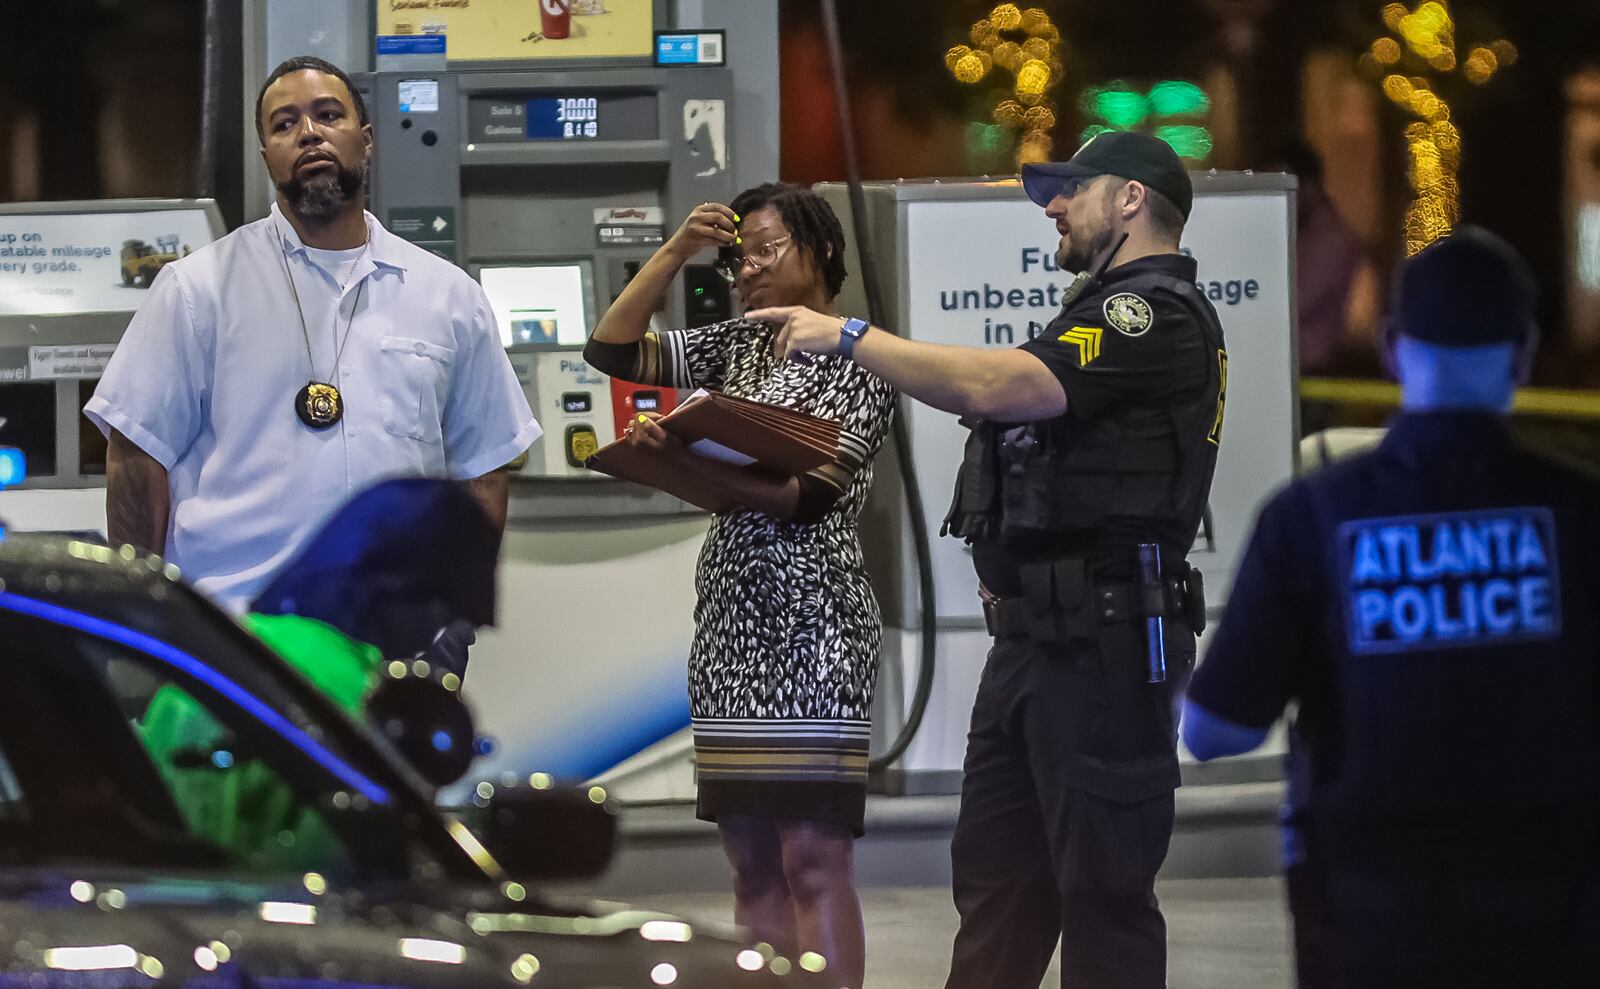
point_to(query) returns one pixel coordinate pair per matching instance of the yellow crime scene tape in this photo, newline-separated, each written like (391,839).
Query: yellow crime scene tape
(1553,403)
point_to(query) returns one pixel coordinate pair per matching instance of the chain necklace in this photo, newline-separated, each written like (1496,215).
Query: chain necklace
(319,404)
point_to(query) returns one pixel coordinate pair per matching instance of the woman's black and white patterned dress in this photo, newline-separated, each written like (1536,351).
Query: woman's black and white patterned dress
(787,631)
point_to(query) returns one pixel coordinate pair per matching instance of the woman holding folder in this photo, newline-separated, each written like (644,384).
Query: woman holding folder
(785,652)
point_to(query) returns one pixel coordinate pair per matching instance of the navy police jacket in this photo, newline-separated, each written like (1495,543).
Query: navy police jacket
(1433,607)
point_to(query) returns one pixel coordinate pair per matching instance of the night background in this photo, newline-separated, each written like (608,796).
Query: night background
(100,98)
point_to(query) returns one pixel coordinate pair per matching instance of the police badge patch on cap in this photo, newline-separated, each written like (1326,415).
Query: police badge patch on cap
(1128,314)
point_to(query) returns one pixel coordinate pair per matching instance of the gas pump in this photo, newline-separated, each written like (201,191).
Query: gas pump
(72,274)
(552,186)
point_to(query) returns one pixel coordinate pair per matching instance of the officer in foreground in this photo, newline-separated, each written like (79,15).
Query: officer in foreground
(1433,607)
(1085,479)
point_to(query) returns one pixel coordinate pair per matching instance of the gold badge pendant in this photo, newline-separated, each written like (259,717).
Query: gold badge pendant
(318,405)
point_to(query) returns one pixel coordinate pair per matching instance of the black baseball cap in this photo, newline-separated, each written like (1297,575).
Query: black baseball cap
(1127,154)
(1467,289)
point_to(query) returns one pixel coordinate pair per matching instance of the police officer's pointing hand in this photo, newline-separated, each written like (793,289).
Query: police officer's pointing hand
(801,330)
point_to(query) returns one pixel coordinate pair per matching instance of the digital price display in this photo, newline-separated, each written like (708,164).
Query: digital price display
(563,118)
(576,401)
(647,401)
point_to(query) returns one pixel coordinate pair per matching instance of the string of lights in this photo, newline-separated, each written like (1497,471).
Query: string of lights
(1422,43)
(1026,44)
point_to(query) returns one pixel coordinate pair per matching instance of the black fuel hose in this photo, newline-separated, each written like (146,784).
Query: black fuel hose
(902,439)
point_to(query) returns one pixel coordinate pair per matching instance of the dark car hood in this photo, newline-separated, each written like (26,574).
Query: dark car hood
(134,929)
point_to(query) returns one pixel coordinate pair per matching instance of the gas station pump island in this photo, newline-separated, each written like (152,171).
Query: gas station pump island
(551,180)
(551,186)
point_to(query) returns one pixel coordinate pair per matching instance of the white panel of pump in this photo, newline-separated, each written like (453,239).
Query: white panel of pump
(573,402)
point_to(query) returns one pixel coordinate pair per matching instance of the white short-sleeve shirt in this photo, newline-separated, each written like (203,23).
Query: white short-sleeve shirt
(206,375)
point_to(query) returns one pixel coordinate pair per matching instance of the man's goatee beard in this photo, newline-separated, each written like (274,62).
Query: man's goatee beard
(321,199)
(1076,258)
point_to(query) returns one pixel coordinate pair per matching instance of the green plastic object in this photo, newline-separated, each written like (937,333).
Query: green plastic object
(233,800)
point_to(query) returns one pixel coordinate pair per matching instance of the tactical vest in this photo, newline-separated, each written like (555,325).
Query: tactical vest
(1067,475)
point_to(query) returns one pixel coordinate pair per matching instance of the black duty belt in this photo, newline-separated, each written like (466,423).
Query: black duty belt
(1123,602)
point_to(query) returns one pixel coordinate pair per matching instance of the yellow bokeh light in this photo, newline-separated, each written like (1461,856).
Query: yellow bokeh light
(1397,88)
(1035,147)
(1424,104)
(1006,17)
(1033,77)
(969,69)
(1429,31)
(1027,44)
(1433,143)
(1039,118)
(1480,65)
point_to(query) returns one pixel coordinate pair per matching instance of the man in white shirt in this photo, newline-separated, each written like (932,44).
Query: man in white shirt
(274,374)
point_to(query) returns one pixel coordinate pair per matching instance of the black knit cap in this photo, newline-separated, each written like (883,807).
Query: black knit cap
(1467,289)
(1126,154)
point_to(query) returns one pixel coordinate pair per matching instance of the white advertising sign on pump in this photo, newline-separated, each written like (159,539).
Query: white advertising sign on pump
(83,262)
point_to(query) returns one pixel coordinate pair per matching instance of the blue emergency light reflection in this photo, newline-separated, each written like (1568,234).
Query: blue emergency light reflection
(13,466)
(157,649)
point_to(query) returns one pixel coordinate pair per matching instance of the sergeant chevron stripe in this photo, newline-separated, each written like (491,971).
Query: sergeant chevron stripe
(1088,340)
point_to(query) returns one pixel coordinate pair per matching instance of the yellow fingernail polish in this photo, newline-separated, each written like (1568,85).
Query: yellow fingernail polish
(736,218)
(738,240)
(643,417)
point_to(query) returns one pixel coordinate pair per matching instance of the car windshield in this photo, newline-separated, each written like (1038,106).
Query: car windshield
(117,747)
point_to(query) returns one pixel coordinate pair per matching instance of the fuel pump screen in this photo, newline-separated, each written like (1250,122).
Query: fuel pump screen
(539,304)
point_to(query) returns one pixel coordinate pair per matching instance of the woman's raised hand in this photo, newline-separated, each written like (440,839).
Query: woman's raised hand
(710,225)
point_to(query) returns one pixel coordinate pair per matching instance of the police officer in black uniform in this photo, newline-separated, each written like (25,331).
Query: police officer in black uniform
(1085,479)
(1433,606)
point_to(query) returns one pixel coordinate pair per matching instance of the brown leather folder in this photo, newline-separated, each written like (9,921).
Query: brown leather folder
(774,439)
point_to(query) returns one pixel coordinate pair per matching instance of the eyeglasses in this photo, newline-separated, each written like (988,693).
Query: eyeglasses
(763,256)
